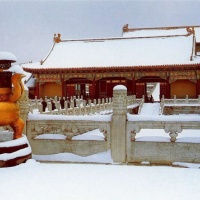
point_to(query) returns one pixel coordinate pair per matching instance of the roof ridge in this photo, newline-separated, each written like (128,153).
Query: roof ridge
(121,38)
(42,61)
(127,29)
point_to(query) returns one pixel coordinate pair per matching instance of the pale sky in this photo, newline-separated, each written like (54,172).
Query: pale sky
(27,27)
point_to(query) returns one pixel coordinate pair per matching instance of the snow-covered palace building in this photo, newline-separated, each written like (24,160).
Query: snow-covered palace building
(92,67)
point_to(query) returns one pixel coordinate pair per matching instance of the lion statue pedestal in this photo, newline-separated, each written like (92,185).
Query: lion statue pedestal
(13,152)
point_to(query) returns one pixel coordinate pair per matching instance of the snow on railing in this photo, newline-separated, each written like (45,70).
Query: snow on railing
(78,106)
(70,106)
(141,103)
(172,102)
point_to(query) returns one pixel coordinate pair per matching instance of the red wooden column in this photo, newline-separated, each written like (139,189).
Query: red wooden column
(37,90)
(63,88)
(198,88)
(96,90)
(133,86)
(167,88)
(92,89)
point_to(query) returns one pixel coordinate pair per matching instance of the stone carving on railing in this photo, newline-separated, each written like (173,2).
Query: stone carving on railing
(47,128)
(104,128)
(68,129)
(134,129)
(170,127)
(173,131)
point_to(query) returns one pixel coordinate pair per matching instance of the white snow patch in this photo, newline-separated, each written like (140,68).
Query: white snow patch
(97,117)
(103,157)
(90,135)
(119,87)
(40,181)
(8,56)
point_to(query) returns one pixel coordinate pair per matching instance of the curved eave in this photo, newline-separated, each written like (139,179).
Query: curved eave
(7,61)
(6,57)
(112,68)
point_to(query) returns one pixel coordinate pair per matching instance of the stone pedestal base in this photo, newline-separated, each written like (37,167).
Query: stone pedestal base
(14,152)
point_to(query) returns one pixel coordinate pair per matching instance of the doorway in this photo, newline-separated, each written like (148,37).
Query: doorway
(153,91)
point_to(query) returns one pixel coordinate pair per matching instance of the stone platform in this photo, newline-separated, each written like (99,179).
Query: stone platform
(13,152)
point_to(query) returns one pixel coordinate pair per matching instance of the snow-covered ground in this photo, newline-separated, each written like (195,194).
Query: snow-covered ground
(39,181)
(35,180)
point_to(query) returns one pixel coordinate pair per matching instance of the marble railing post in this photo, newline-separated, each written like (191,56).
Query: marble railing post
(118,124)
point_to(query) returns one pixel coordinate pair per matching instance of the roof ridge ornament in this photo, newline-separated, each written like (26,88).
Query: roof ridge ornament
(57,38)
(125,28)
(190,31)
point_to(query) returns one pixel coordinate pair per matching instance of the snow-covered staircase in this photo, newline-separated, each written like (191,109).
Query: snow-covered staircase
(150,109)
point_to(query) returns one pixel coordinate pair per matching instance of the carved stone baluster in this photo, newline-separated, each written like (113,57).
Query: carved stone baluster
(103,129)
(133,134)
(105,135)
(49,106)
(173,130)
(40,108)
(134,130)
(69,135)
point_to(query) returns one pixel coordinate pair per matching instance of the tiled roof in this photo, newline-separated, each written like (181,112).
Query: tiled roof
(157,48)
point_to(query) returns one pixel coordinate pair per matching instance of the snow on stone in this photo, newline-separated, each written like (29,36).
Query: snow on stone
(159,135)
(151,109)
(8,56)
(19,153)
(189,165)
(178,118)
(156,93)
(120,87)
(152,135)
(90,135)
(16,69)
(182,104)
(102,157)
(51,136)
(17,142)
(97,117)
(19,70)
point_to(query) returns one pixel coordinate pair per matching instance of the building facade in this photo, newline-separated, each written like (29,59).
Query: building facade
(92,67)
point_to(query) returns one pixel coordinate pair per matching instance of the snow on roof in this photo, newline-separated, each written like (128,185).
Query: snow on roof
(118,52)
(8,56)
(31,82)
(16,69)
